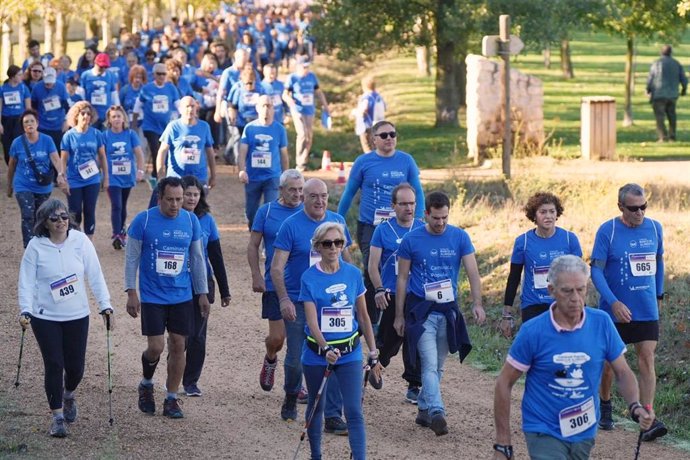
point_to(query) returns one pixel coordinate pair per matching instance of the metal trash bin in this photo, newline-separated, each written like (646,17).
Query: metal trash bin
(598,128)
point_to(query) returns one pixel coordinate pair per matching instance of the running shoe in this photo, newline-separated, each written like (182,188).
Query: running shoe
(657,430)
(146,402)
(289,409)
(69,409)
(192,390)
(123,238)
(268,374)
(439,425)
(58,428)
(412,395)
(171,408)
(117,243)
(423,418)
(303,396)
(606,420)
(335,425)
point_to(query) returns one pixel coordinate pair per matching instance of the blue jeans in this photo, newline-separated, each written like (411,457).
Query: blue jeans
(118,208)
(84,199)
(29,203)
(348,376)
(253,191)
(294,331)
(433,350)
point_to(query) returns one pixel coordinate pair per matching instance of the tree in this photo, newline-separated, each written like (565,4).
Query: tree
(363,27)
(639,20)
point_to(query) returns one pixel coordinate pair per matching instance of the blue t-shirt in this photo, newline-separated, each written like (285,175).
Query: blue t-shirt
(64,75)
(244,101)
(294,237)
(52,105)
(303,89)
(128,97)
(83,156)
(209,232)
(263,153)
(24,177)
(285,31)
(371,98)
(164,274)
(388,236)
(335,296)
(158,105)
(98,90)
(632,256)
(122,162)
(120,70)
(377,176)
(536,254)
(13,98)
(267,221)
(434,258)
(228,78)
(263,44)
(188,144)
(564,371)
(275,91)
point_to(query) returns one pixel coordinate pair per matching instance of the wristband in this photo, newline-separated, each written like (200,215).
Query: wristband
(326,349)
(380,289)
(631,408)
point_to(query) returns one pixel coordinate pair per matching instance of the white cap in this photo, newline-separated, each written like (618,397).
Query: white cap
(49,75)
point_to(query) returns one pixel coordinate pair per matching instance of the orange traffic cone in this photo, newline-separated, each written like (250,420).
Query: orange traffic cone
(326,161)
(341,174)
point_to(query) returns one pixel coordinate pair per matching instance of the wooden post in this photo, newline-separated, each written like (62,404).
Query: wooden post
(504,34)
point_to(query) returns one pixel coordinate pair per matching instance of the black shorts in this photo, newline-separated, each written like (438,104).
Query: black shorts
(533,311)
(270,306)
(638,331)
(177,318)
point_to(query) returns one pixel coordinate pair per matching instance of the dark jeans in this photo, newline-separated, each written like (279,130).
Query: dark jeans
(664,108)
(11,129)
(63,346)
(254,190)
(29,203)
(83,199)
(388,342)
(207,115)
(196,346)
(154,144)
(364,233)
(118,208)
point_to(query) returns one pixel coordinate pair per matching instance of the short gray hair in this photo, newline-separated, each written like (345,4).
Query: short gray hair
(629,189)
(47,209)
(324,228)
(566,264)
(290,174)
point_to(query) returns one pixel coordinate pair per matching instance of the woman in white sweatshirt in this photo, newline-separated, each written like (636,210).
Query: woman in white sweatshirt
(53,298)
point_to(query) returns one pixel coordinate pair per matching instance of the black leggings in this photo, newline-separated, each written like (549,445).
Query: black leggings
(153,139)
(63,346)
(12,128)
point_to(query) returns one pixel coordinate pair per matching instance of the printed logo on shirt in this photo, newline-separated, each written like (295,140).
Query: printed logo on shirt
(447,252)
(119,148)
(180,234)
(646,243)
(569,379)
(166,233)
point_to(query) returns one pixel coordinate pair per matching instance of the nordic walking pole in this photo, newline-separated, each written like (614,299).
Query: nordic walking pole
(107,314)
(327,374)
(21,351)
(647,407)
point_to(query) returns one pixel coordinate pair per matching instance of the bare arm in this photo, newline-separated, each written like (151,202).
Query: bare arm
(470,264)
(162,159)
(284,159)
(401,294)
(242,162)
(211,159)
(504,386)
(258,283)
(104,167)
(287,308)
(381,297)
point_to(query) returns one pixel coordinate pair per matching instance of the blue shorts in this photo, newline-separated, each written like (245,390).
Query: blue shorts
(270,306)
(177,318)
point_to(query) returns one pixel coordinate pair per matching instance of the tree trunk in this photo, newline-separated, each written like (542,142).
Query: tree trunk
(447,97)
(24,35)
(627,112)
(106,33)
(92,28)
(49,31)
(61,31)
(566,62)
(5,47)
(547,56)
(128,18)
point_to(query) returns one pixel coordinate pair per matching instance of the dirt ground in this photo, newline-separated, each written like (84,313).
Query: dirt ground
(234,419)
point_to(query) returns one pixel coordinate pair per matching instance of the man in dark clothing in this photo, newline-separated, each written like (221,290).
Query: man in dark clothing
(662,88)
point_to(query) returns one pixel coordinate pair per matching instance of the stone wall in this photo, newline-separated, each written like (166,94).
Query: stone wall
(485,108)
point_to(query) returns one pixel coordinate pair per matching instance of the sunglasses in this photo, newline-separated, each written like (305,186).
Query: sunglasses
(329,244)
(37,70)
(161,74)
(55,217)
(635,208)
(392,134)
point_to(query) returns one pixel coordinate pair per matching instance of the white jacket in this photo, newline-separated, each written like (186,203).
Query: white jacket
(51,279)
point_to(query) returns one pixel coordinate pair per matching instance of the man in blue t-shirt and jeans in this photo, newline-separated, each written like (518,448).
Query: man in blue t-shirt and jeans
(563,352)
(628,271)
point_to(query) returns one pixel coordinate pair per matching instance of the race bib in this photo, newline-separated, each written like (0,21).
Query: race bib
(307,99)
(192,156)
(51,103)
(11,98)
(88,169)
(277,100)
(160,104)
(314,257)
(643,264)
(250,98)
(540,275)
(283,37)
(383,214)
(169,263)
(99,99)
(336,319)
(64,288)
(261,159)
(439,291)
(578,418)
(122,167)
(261,50)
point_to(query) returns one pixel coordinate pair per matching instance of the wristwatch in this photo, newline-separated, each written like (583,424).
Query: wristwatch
(506,450)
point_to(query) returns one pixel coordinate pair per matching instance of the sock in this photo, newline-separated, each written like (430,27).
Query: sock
(605,401)
(68,395)
(148,366)
(58,415)
(147,382)
(171,395)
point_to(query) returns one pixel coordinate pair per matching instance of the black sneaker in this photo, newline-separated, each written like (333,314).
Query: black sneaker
(58,429)
(69,410)
(289,409)
(423,418)
(192,390)
(606,420)
(117,243)
(439,425)
(335,425)
(171,408)
(376,384)
(146,402)
(657,430)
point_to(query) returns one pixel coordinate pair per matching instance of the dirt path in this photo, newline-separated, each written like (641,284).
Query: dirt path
(234,419)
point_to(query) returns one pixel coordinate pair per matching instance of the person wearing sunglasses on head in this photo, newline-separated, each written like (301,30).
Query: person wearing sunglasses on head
(53,276)
(628,271)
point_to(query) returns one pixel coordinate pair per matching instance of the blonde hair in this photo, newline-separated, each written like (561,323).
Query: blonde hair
(74,112)
(117,108)
(324,228)
(137,70)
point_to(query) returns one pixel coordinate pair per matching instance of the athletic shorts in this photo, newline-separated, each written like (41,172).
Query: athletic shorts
(638,331)
(533,311)
(177,318)
(270,306)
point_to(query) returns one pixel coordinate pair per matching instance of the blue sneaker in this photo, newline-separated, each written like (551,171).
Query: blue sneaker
(412,395)
(335,425)
(192,390)
(69,410)
(289,409)
(58,428)
(146,402)
(171,408)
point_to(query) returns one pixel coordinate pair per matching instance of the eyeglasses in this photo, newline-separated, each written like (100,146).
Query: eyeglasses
(392,134)
(635,208)
(55,217)
(329,244)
